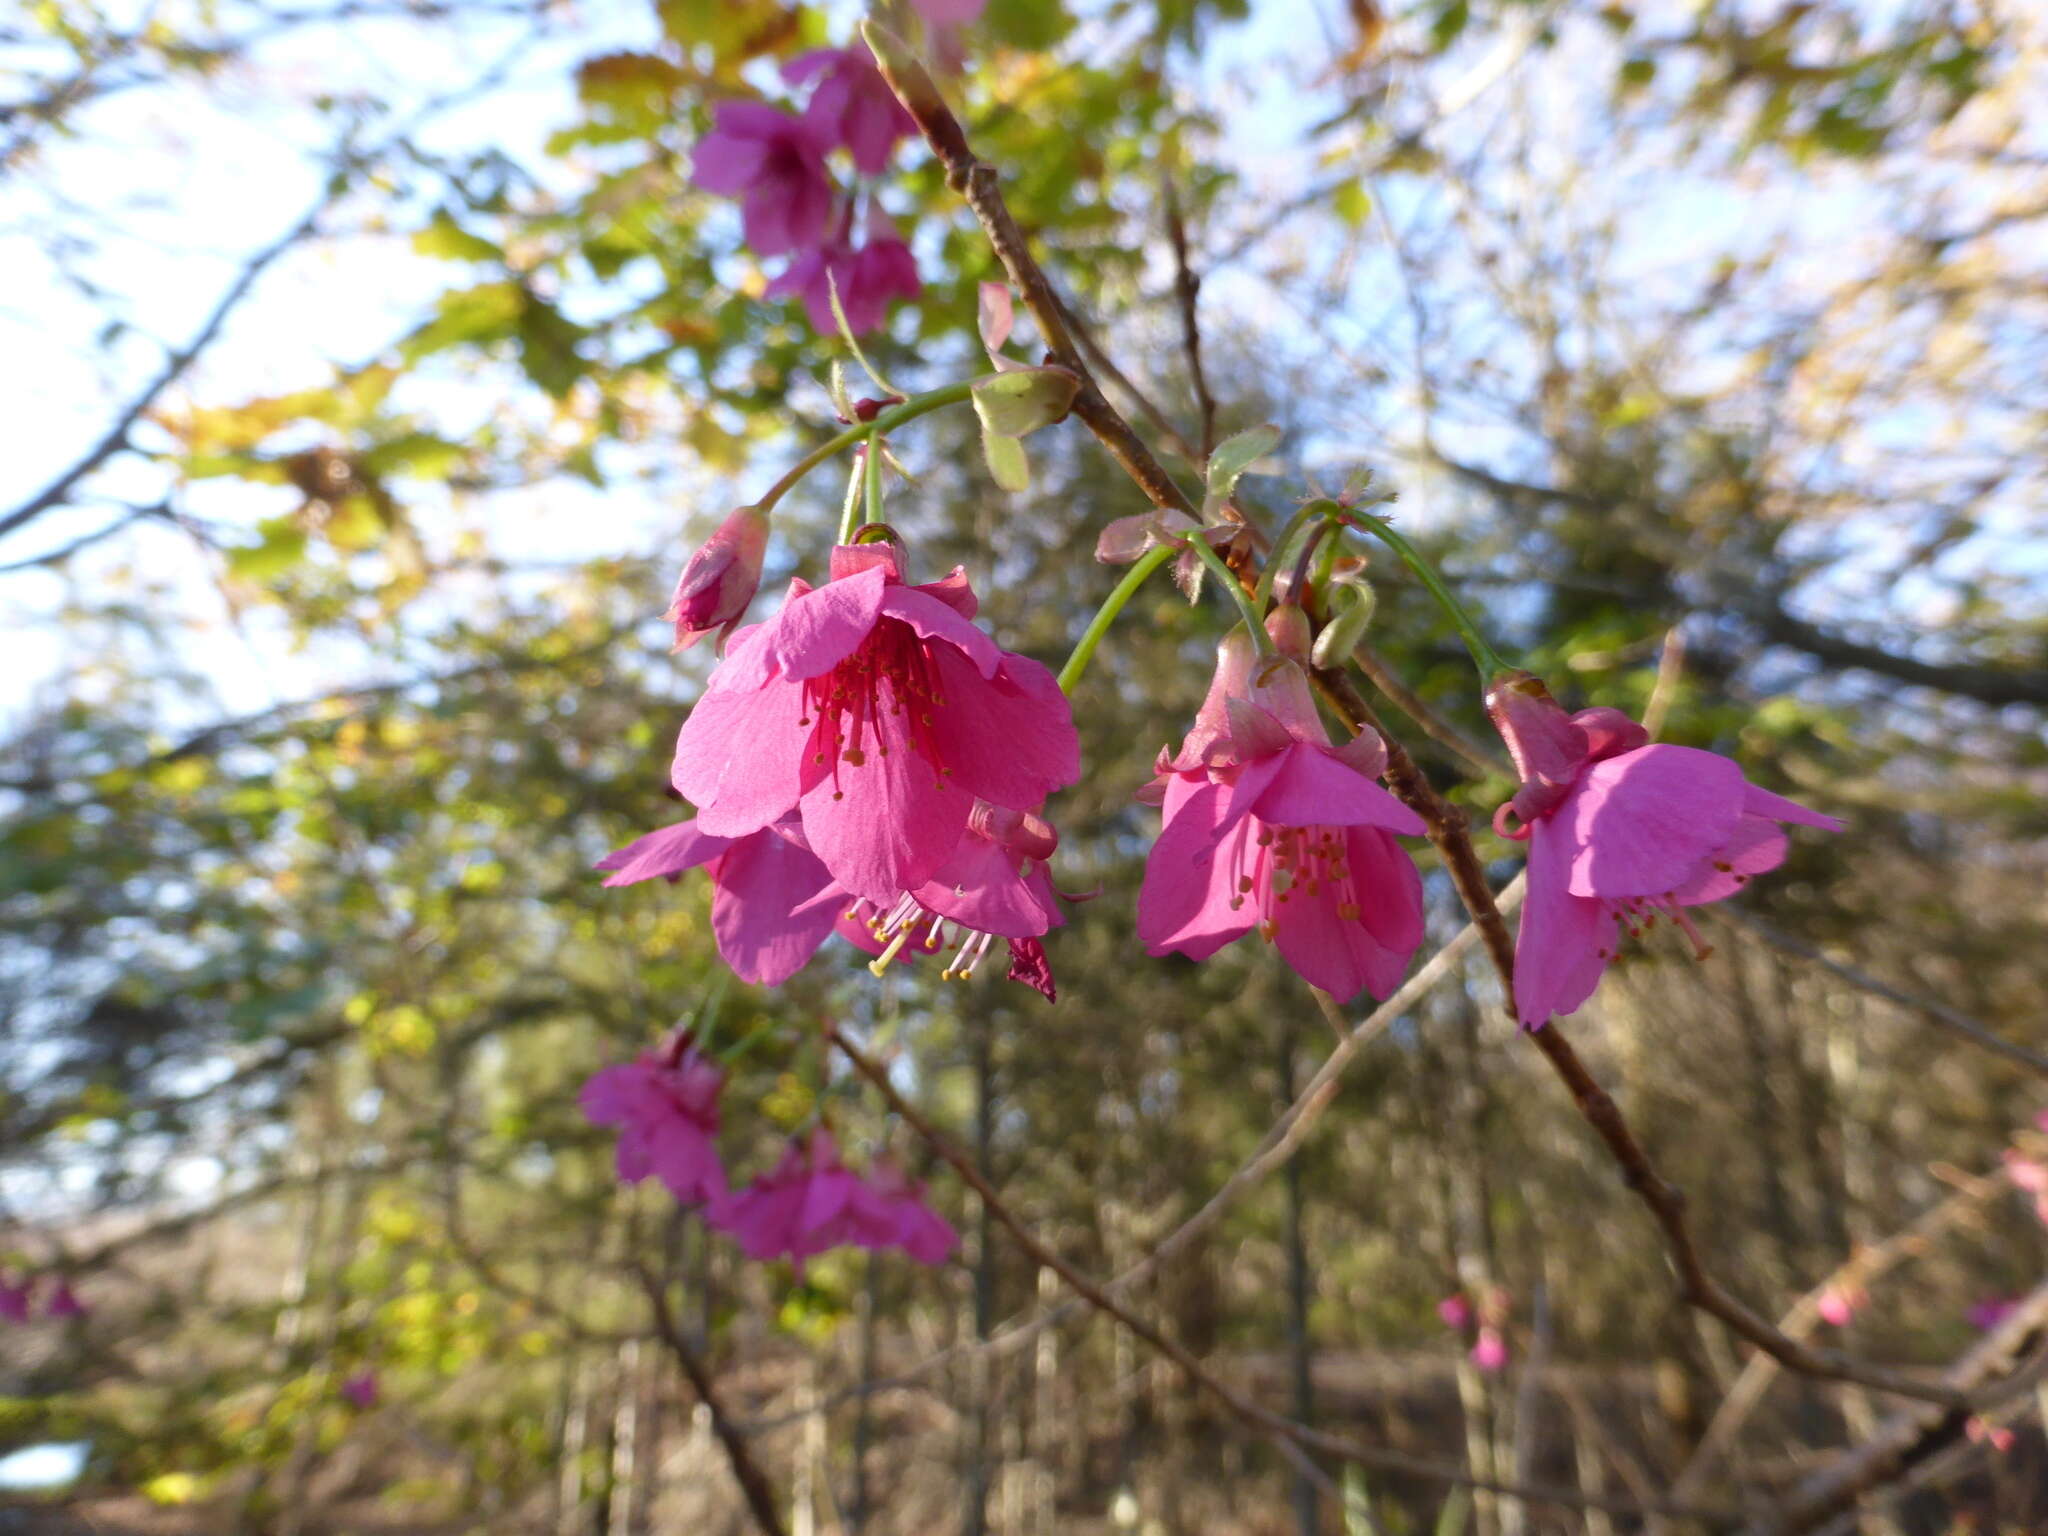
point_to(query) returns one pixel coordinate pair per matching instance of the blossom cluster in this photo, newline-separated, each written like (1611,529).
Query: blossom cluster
(666,1107)
(19,1299)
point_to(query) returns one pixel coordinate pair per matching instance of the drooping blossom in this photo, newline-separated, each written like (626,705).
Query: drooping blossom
(774,162)
(14,1299)
(1269,826)
(867,278)
(720,579)
(64,1302)
(1837,1304)
(811,1202)
(1489,1351)
(852,104)
(1619,832)
(1455,1312)
(666,1107)
(878,714)
(773,902)
(361,1389)
(920,1231)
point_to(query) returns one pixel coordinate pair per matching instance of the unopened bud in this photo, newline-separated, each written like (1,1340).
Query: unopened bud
(1287,628)
(1347,626)
(720,579)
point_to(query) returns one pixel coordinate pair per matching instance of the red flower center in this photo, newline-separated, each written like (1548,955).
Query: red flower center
(885,691)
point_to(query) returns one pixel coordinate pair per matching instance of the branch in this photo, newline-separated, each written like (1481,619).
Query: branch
(1696,1287)
(1952,1019)
(745,1470)
(1275,1425)
(1188,286)
(975,182)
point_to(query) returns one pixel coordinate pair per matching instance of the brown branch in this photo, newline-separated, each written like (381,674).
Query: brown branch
(760,1495)
(1188,287)
(1696,1287)
(1105,365)
(1275,1425)
(1438,729)
(975,182)
(1953,1019)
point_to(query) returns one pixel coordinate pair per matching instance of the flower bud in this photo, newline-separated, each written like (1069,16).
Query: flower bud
(720,579)
(1347,625)
(1287,628)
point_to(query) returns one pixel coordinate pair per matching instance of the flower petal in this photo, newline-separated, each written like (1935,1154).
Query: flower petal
(954,590)
(817,631)
(1761,802)
(1640,823)
(1565,940)
(766,909)
(1757,846)
(739,757)
(667,852)
(1388,889)
(886,826)
(1332,952)
(1314,788)
(1185,901)
(1010,738)
(936,620)
(979,885)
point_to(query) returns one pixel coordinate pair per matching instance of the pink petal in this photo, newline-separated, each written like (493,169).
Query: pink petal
(766,909)
(1761,802)
(954,590)
(886,826)
(939,621)
(1330,952)
(1641,823)
(668,852)
(1757,846)
(817,631)
(980,885)
(1185,900)
(1008,739)
(1388,889)
(1565,940)
(1314,789)
(739,757)
(1253,733)
(727,164)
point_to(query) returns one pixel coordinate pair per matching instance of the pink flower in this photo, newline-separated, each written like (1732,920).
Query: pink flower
(812,1202)
(1991,1311)
(361,1389)
(666,1107)
(1619,831)
(1837,1304)
(920,1231)
(1997,1435)
(878,714)
(949,12)
(773,902)
(1268,825)
(775,163)
(1455,1311)
(2029,1175)
(852,104)
(63,1302)
(1489,1351)
(14,1300)
(867,279)
(720,579)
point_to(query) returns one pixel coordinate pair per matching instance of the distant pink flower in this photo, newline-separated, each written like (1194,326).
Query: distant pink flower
(1455,1311)
(1991,1311)
(361,1389)
(14,1299)
(1837,1304)
(852,104)
(773,902)
(775,163)
(812,1202)
(63,1302)
(2041,1120)
(1997,1436)
(867,279)
(1269,826)
(920,1231)
(878,714)
(1489,1351)
(720,579)
(666,1107)
(2029,1175)
(1619,832)
(949,12)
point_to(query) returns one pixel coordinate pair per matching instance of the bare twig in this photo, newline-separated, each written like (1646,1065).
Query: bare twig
(1188,287)
(1952,1019)
(1435,726)
(746,1471)
(975,181)
(1276,1425)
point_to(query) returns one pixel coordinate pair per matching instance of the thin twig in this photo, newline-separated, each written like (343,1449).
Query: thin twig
(1953,1019)
(975,182)
(1698,1288)
(1188,286)
(760,1495)
(1265,1419)
(1438,729)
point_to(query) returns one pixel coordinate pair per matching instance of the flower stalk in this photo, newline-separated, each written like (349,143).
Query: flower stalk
(1484,656)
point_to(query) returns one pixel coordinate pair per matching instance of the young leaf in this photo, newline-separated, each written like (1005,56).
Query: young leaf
(1235,455)
(1006,461)
(1018,403)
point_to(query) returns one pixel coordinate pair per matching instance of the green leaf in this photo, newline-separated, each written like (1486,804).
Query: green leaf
(1234,455)
(1019,402)
(282,546)
(1006,461)
(445,240)
(1352,203)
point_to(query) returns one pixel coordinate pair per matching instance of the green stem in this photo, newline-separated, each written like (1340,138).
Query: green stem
(1484,656)
(894,416)
(1277,558)
(1206,553)
(1122,593)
